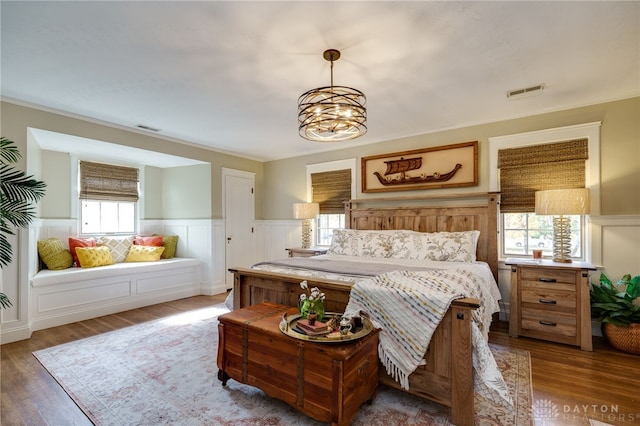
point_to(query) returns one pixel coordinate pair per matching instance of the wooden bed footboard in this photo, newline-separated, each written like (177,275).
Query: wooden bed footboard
(447,376)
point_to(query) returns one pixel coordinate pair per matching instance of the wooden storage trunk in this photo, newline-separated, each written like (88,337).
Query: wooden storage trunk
(326,381)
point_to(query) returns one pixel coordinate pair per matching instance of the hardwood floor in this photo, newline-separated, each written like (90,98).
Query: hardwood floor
(570,386)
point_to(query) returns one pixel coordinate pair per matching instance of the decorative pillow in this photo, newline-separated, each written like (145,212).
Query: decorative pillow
(154,241)
(170,243)
(363,243)
(344,242)
(54,254)
(144,253)
(119,247)
(439,246)
(80,242)
(375,243)
(90,257)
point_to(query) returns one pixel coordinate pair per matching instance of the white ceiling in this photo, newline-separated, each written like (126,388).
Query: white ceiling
(227,75)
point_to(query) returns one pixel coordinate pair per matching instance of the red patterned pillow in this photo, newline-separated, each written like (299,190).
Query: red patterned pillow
(80,242)
(154,241)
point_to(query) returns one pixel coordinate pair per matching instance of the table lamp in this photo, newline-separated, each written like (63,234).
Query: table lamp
(306,212)
(561,202)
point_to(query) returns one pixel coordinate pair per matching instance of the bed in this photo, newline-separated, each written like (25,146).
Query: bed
(447,374)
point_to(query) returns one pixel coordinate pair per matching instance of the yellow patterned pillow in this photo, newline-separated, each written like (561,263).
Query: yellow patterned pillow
(91,257)
(144,253)
(54,254)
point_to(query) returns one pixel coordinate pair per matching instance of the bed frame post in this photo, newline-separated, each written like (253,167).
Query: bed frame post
(462,403)
(348,205)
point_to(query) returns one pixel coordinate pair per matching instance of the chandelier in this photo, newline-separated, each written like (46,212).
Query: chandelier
(334,113)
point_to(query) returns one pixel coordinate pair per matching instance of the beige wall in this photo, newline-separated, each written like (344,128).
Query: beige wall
(56,173)
(285,180)
(16,119)
(152,193)
(184,191)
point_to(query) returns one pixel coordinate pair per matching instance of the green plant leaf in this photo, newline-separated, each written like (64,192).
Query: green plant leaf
(604,279)
(4,301)
(18,194)
(9,153)
(633,288)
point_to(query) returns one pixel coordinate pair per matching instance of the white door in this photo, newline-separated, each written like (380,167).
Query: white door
(239,215)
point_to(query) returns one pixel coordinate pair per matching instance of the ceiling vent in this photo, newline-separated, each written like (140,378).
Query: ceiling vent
(143,127)
(526,92)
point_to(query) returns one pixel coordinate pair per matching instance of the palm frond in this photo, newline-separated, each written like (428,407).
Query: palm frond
(6,253)
(17,212)
(18,194)
(16,185)
(8,152)
(4,301)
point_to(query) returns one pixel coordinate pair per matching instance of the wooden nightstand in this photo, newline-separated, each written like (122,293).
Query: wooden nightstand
(550,301)
(306,252)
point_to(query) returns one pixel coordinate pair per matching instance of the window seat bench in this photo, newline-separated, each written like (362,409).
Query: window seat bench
(75,294)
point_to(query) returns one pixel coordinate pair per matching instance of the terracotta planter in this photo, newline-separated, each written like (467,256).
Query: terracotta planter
(626,339)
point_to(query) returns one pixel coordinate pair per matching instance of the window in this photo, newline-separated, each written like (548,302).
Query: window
(326,224)
(330,185)
(523,171)
(108,198)
(107,217)
(524,232)
(574,162)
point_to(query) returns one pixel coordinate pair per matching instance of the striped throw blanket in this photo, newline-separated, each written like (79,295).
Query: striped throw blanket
(408,306)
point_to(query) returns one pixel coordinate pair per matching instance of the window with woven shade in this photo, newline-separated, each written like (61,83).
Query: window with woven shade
(330,190)
(525,170)
(99,181)
(108,196)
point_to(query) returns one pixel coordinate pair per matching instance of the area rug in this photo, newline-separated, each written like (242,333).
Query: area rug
(164,372)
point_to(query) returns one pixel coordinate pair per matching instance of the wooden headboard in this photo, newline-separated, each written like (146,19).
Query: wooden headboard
(438,216)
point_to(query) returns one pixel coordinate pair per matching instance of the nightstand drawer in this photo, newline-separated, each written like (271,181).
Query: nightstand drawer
(548,275)
(561,323)
(544,297)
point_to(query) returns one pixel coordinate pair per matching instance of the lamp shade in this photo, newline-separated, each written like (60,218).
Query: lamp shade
(563,201)
(305,210)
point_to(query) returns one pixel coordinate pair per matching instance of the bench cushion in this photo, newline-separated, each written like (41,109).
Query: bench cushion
(48,277)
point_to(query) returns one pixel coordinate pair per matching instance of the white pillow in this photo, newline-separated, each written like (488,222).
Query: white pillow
(375,243)
(344,242)
(362,243)
(438,246)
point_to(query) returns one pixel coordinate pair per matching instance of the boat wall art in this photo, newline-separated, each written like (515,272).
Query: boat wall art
(428,168)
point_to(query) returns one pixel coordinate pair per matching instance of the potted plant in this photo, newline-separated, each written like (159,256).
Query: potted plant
(313,302)
(619,307)
(18,193)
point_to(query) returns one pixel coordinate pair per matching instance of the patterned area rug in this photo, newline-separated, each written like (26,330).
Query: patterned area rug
(164,372)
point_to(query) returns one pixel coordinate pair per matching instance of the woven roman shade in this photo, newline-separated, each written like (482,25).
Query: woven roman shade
(523,171)
(331,190)
(100,181)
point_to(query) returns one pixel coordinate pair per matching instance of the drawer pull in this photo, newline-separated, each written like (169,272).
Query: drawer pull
(547,280)
(550,323)
(547,301)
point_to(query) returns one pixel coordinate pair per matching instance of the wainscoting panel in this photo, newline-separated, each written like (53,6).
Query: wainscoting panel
(277,236)
(616,244)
